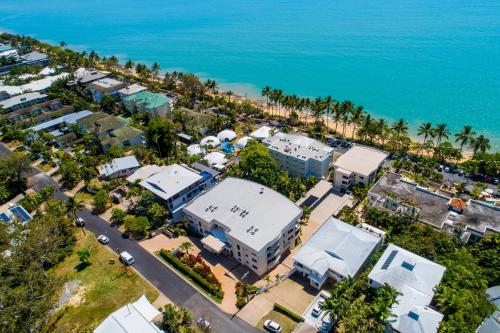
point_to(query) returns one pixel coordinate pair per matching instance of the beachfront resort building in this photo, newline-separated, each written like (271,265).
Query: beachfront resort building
(85,76)
(415,278)
(134,317)
(470,220)
(300,155)
(337,250)
(119,167)
(246,220)
(359,165)
(104,86)
(11,58)
(174,185)
(154,104)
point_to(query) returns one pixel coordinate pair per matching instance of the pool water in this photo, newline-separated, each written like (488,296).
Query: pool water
(227,148)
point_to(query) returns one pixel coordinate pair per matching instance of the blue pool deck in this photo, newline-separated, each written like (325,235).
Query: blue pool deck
(227,148)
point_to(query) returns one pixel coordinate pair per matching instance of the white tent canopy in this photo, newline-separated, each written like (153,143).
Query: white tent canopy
(242,143)
(263,132)
(195,149)
(215,158)
(226,135)
(210,141)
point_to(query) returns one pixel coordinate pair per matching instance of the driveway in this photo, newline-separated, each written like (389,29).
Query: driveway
(162,277)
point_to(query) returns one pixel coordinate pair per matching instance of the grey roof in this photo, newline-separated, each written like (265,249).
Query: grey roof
(171,181)
(433,207)
(34,56)
(362,160)
(67,119)
(478,216)
(339,247)
(250,212)
(20,99)
(299,146)
(118,164)
(132,89)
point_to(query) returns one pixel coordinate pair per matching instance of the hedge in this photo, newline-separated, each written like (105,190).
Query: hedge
(287,312)
(197,278)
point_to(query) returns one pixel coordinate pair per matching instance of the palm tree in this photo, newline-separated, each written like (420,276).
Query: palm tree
(129,65)
(266,91)
(337,114)
(229,94)
(481,143)
(400,128)
(441,131)
(328,104)
(426,130)
(339,300)
(63,44)
(155,69)
(466,136)
(72,206)
(356,118)
(186,246)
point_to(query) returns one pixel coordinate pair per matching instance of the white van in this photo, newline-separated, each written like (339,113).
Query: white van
(126,258)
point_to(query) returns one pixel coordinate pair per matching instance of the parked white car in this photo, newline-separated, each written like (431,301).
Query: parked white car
(126,258)
(272,326)
(103,239)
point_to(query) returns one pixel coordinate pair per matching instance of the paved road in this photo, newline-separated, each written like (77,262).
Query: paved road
(162,277)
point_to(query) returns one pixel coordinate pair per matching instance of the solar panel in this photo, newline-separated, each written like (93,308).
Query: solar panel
(389,259)
(413,315)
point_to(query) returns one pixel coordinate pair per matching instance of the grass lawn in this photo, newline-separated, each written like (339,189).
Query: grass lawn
(103,289)
(287,324)
(45,167)
(86,198)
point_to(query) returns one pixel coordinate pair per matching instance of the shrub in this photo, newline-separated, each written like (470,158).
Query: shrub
(213,289)
(287,312)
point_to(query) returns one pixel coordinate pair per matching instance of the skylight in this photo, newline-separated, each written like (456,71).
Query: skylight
(413,315)
(407,265)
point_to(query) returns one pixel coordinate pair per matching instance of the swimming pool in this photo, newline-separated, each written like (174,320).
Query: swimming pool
(227,148)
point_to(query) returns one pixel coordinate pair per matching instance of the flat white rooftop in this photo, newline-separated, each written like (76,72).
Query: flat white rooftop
(144,172)
(360,159)
(298,146)
(118,164)
(107,83)
(16,100)
(252,213)
(339,247)
(170,181)
(132,89)
(37,85)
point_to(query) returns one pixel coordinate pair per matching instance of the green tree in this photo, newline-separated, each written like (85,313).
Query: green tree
(161,136)
(69,170)
(73,205)
(176,320)
(137,225)
(157,213)
(465,137)
(480,144)
(101,201)
(83,255)
(118,216)
(441,132)
(186,246)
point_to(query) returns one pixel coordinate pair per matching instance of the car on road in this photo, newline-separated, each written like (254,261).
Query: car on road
(103,239)
(272,326)
(80,222)
(446,169)
(126,258)
(203,324)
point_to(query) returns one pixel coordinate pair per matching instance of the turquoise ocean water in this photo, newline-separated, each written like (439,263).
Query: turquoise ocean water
(423,60)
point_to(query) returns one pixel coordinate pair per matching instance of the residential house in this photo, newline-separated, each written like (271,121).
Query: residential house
(251,222)
(134,317)
(119,167)
(337,250)
(174,185)
(300,155)
(359,165)
(58,125)
(131,90)
(33,86)
(22,101)
(104,86)
(85,76)
(154,104)
(415,279)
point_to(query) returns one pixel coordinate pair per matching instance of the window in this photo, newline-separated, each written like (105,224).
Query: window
(238,246)
(253,259)
(239,254)
(254,267)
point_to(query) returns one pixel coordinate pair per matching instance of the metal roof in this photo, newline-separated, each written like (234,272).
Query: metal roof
(118,164)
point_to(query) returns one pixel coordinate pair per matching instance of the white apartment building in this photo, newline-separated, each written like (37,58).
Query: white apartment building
(246,220)
(300,155)
(416,279)
(359,165)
